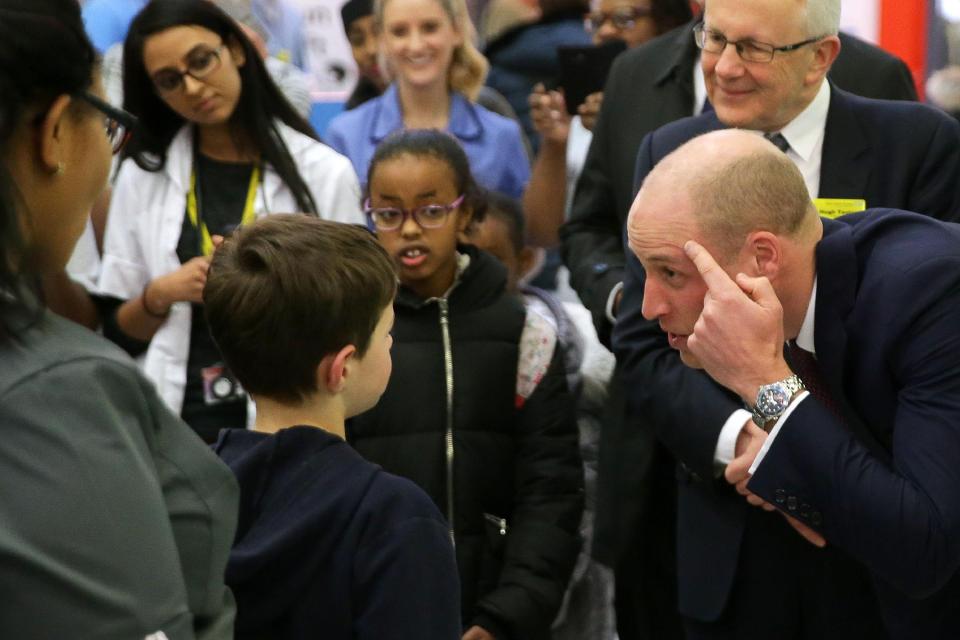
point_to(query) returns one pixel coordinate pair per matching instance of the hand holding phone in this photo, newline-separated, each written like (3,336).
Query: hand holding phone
(584,70)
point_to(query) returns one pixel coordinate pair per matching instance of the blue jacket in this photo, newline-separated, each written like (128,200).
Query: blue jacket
(330,546)
(492,143)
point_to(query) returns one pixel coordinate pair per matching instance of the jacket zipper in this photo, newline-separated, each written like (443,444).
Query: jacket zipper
(448,370)
(499,522)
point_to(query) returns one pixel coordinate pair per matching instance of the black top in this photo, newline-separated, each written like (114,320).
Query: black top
(222,189)
(518,466)
(330,546)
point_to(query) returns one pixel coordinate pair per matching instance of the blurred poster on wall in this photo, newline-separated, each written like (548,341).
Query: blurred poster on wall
(861,18)
(329,61)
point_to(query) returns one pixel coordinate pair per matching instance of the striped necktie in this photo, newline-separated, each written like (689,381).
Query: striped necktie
(778,141)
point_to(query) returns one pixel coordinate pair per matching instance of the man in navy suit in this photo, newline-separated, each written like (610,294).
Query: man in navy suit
(648,87)
(855,441)
(764,63)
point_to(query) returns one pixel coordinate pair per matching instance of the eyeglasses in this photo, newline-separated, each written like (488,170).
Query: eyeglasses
(748,50)
(201,62)
(428,216)
(622,18)
(118,123)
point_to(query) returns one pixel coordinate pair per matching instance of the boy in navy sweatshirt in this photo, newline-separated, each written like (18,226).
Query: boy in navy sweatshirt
(328,545)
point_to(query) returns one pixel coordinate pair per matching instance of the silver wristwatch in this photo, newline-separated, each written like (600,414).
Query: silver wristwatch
(773,399)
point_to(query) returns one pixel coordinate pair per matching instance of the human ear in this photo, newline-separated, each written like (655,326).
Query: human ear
(334,369)
(53,135)
(458,34)
(464,217)
(766,253)
(526,260)
(237,52)
(824,53)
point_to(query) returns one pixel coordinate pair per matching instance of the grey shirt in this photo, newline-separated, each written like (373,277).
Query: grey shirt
(115,519)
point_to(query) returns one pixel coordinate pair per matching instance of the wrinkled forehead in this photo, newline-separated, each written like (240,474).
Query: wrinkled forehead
(772,21)
(661,221)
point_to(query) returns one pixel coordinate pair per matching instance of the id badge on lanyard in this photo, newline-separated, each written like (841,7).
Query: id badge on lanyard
(196,217)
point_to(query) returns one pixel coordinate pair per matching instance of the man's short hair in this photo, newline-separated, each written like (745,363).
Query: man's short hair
(758,191)
(287,290)
(823,18)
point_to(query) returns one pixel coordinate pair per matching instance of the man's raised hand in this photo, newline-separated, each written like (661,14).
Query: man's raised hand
(738,338)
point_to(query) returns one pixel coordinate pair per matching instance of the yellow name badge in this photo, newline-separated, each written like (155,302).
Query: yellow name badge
(836,207)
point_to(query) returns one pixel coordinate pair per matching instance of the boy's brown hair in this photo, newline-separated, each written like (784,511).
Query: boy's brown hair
(287,290)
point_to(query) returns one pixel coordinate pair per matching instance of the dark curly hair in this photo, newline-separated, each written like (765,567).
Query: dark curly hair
(433,143)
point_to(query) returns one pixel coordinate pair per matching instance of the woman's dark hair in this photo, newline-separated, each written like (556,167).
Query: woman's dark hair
(433,143)
(253,120)
(668,14)
(44,53)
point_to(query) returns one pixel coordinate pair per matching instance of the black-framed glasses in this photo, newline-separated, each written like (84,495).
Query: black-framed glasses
(621,17)
(428,216)
(118,123)
(748,50)
(201,62)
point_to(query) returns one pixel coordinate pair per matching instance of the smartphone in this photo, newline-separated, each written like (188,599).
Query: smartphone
(583,70)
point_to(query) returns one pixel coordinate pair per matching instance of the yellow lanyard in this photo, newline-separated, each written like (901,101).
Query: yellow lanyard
(206,242)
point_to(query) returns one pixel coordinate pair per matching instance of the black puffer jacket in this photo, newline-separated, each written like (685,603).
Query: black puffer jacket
(509,480)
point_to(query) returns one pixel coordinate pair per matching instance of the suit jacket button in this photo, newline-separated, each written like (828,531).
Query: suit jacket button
(792,503)
(779,496)
(815,518)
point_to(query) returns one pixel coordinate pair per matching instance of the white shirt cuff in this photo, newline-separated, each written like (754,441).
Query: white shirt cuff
(617,288)
(727,442)
(776,429)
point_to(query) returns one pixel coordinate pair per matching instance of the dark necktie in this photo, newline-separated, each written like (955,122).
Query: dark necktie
(778,141)
(805,365)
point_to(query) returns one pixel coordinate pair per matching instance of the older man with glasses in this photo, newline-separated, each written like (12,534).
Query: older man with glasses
(742,571)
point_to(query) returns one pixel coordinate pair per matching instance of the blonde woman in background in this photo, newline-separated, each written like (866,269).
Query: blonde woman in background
(438,74)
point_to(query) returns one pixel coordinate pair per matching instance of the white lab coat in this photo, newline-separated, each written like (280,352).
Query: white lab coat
(146,216)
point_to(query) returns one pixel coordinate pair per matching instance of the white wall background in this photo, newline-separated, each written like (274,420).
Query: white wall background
(328,52)
(861,18)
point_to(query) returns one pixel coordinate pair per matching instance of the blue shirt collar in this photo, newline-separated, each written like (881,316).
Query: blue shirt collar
(464,118)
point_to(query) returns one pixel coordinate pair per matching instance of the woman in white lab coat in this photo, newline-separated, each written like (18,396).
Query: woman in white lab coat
(217,146)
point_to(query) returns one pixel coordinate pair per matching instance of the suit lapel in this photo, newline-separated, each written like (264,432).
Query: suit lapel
(836,288)
(843,171)
(680,60)
(837,278)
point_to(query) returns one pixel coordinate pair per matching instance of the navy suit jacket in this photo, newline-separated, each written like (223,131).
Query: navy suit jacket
(901,155)
(884,484)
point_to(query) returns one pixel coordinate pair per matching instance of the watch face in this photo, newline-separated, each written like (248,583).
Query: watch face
(773,399)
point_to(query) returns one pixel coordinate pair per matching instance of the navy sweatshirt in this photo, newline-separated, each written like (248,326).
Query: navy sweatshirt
(331,546)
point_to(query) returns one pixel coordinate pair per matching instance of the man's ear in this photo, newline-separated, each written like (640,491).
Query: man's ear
(334,369)
(824,54)
(766,253)
(53,135)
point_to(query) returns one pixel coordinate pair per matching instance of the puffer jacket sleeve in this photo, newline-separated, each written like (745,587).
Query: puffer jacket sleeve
(543,540)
